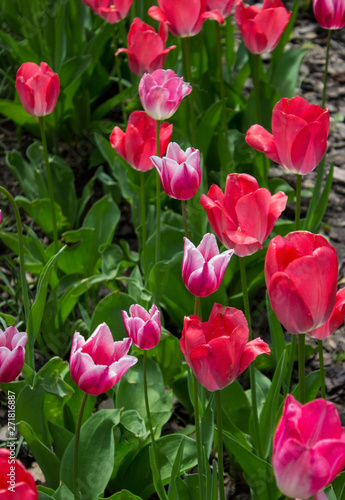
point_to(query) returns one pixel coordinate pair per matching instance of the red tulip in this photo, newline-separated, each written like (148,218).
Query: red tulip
(138,143)
(218,350)
(223,6)
(299,138)
(184,18)
(96,364)
(12,353)
(112,11)
(262,28)
(308,448)
(335,320)
(144,328)
(16,483)
(146,51)
(301,272)
(244,215)
(38,88)
(330,14)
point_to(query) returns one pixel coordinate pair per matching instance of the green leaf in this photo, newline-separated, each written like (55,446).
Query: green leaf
(63,493)
(312,386)
(133,422)
(157,480)
(49,378)
(318,203)
(61,438)
(208,124)
(123,495)
(175,472)
(16,113)
(109,310)
(73,69)
(284,77)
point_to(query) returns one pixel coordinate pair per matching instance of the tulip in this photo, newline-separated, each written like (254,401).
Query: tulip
(96,364)
(161,93)
(335,320)
(38,88)
(203,267)
(330,14)
(12,353)
(262,28)
(301,272)
(184,18)
(144,328)
(299,139)
(146,51)
(12,470)
(218,350)
(138,143)
(308,447)
(179,171)
(244,215)
(112,11)
(223,6)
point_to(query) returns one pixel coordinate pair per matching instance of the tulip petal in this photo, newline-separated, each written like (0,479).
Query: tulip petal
(260,139)
(335,320)
(252,349)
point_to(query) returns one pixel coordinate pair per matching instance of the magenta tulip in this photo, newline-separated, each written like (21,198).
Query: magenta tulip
(299,138)
(96,364)
(161,93)
(13,471)
(203,267)
(146,51)
(301,272)
(335,320)
(12,353)
(179,171)
(308,447)
(218,350)
(138,143)
(184,18)
(330,14)
(223,6)
(112,11)
(38,88)
(262,28)
(244,215)
(144,328)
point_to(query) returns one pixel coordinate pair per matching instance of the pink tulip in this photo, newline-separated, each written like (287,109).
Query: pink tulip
(179,171)
(144,328)
(244,215)
(96,364)
(308,447)
(184,18)
(16,483)
(161,93)
(146,51)
(138,144)
(330,14)
(112,11)
(335,320)
(299,138)
(38,88)
(203,267)
(12,353)
(301,272)
(262,28)
(218,350)
(223,6)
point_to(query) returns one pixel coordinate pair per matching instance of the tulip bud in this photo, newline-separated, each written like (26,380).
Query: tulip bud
(12,353)
(144,328)
(330,14)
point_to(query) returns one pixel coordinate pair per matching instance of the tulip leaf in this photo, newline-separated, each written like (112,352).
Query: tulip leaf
(319,202)
(72,406)
(208,124)
(63,493)
(72,69)
(109,310)
(168,355)
(157,480)
(122,495)
(96,454)
(17,113)
(312,386)
(50,378)
(285,74)
(46,459)
(61,438)
(172,490)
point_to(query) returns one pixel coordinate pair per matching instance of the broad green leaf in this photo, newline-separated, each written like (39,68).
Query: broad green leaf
(123,495)
(16,112)
(63,493)
(312,386)
(40,210)
(61,438)
(50,378)
(284,77)
(208,123)
(72,70)
(157,480)
(109,310)
(175,472)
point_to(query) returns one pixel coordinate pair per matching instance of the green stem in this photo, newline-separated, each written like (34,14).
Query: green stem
(118,71)
(254,61)
(324,93)
(196,305)
(50,183)
(187,65)
(301,367)
(198,437)
(251,366)
(185,218)
(25,293)
(220,446)
(158,195)
(221,78)
(76,447)
(291,362)
(298,201)
(143,220)
(322,369)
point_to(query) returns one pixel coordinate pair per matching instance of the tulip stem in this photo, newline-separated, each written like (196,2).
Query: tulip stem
(185,217)
(158,194)
(76,447)
(251,366)
(322,369)
(291,362)
(298,201)
(118,71)
(220,446)
(25,293)
(301,367)
(187,68)
(198,438)
(324,93)
(254,61)
(143,220)
(222,90)
(196,305)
